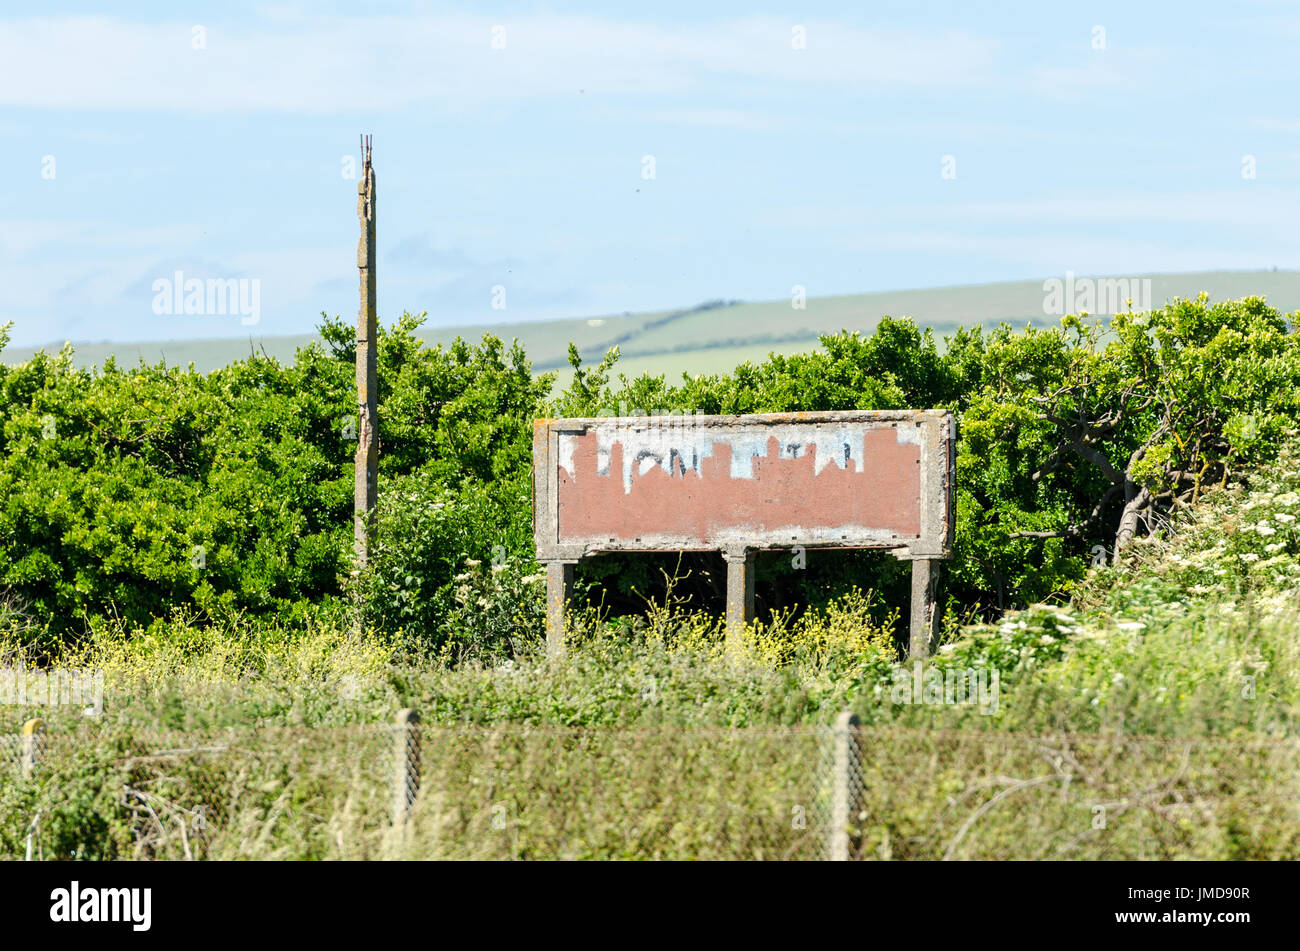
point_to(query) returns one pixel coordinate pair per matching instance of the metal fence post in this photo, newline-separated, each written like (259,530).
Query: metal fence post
(406,763)
(33,731)
(846,783)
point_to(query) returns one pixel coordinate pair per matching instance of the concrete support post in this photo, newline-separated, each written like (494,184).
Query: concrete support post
(846,785)
(740,595)
(559,584)
(406,764)
(925,615)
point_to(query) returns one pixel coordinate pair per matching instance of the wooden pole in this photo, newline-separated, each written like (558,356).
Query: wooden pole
(367,462)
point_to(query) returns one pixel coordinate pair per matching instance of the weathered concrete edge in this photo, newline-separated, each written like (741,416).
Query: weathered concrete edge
(938,476)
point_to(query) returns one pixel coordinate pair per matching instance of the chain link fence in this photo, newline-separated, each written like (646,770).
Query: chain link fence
(406,790)
(20,751)
(986,795)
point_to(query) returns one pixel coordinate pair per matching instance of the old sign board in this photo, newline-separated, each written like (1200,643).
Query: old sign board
(738,484)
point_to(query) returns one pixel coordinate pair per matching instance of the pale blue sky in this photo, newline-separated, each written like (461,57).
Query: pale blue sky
(522,166)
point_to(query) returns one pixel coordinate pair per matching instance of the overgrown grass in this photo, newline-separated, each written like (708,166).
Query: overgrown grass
(1192,634)
(1164,695)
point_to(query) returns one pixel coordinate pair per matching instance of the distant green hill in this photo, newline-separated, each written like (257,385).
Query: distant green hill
(716,336)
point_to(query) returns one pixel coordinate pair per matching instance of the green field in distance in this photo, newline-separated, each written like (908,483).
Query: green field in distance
(715,336)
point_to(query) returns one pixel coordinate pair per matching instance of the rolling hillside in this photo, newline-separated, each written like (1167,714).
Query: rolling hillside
(718,335)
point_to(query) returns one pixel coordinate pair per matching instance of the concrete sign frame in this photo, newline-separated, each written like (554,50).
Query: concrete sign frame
(879,479)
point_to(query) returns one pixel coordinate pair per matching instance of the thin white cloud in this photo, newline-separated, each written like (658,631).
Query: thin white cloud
(1082,255)
(336,65)
(19,237)
(1250,205)
(1073,82)
(1266,210)
(720,119)
(1274,124)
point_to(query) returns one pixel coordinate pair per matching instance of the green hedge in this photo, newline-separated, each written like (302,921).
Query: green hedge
(126,493)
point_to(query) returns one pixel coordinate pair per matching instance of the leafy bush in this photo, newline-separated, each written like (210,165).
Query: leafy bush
(1072,440)
(125,493)
(128,493)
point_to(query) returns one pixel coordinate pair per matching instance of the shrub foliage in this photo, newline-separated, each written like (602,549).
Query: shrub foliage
(126,492)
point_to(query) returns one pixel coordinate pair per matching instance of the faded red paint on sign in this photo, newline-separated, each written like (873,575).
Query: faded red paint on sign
(846,479)
(780,493)
(878,479)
